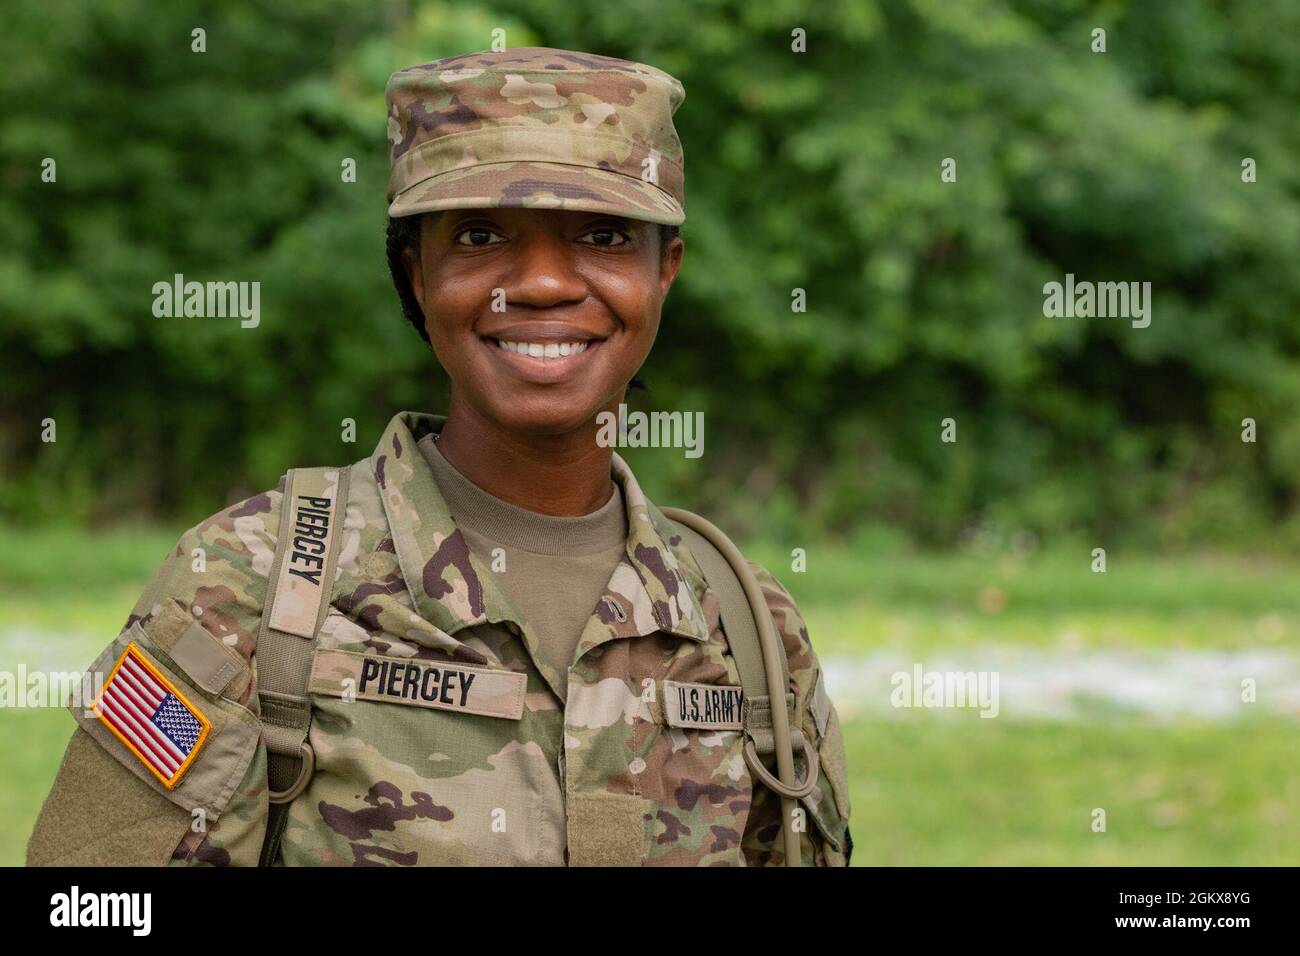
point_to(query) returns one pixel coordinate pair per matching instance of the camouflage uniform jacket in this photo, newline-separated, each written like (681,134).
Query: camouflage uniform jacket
(598,778)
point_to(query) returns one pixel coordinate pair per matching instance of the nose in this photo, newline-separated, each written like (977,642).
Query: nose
(543,274)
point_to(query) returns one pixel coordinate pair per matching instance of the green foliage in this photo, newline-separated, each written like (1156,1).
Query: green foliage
(817,171)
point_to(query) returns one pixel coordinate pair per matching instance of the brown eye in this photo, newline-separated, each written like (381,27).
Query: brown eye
(605,237)
(477,236)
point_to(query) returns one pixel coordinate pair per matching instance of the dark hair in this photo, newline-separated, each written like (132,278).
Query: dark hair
(404,233)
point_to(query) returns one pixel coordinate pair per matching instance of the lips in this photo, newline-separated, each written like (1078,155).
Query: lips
(542,333)
(542,352)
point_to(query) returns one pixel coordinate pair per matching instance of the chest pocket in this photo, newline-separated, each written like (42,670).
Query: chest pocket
(422,762)
(656,774)
(705,806)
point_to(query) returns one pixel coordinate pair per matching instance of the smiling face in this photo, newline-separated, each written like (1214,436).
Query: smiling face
(581,294)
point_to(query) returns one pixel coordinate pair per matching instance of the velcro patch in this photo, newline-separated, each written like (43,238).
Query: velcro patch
(702,706)
(151,716)
(486,691)
(821,704)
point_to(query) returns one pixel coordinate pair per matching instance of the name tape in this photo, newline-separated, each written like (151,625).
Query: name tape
(299,589)
(702,706)
(486,691)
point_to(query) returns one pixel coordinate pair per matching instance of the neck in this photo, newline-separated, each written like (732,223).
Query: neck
(563,475)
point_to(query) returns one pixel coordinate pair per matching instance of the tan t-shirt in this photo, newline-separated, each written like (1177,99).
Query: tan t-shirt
(555,568)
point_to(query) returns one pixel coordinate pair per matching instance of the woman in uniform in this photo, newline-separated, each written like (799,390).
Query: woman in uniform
(482,644)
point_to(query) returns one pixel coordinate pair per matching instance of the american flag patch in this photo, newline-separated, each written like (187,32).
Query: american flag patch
(146,712)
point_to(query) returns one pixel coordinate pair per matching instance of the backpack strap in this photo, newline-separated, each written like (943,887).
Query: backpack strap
(297,599)
(761,663)
(741,628)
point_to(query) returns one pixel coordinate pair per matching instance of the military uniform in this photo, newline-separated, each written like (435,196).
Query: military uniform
(438,729)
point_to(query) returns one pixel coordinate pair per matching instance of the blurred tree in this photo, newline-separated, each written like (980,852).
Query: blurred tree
(818,171)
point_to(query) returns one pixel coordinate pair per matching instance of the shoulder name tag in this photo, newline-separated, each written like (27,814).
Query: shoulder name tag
(486,691)
(299,589)
(702,706)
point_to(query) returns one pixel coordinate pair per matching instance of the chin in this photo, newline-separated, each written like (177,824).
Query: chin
(544,416)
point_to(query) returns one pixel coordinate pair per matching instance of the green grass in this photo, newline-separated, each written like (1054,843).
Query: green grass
(31,746)
(926,788)
(855,601)
(933,791)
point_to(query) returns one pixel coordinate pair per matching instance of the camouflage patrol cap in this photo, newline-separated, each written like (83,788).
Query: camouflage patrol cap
(532,127)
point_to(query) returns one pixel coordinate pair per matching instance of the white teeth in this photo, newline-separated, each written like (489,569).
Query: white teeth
(548,351)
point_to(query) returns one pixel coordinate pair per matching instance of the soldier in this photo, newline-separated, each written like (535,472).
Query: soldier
(482,644)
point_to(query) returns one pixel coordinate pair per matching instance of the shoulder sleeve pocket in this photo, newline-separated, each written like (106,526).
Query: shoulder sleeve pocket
(171,731)
(828,804)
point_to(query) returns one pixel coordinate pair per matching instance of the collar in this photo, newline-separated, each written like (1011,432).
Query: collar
(452,590)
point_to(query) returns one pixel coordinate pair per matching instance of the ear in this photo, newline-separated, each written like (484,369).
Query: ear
(670,260)
(414,272)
